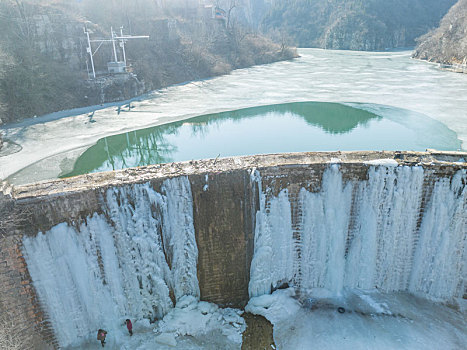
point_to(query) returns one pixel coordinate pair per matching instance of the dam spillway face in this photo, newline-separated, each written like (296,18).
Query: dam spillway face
(127,264)
(368,234)
(98,247)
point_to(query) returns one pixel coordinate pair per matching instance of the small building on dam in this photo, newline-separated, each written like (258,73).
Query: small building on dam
(134,241)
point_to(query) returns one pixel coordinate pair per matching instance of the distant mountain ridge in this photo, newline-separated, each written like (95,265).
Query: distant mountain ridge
(447,44)
(355,24)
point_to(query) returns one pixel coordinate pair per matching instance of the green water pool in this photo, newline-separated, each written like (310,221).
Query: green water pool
(291,127)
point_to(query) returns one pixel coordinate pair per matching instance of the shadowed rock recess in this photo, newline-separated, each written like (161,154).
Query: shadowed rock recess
(213,229)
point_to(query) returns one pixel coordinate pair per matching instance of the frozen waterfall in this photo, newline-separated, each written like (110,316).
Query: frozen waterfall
(397,228)
(393,232)
(123,263)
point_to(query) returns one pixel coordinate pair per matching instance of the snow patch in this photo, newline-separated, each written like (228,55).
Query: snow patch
(276,307)
(166,339)
(193,318)
(382,162)
(379,308)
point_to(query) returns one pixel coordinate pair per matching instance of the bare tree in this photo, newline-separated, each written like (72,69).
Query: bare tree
(232,5)
(24,22)
(282,38)
(5,62)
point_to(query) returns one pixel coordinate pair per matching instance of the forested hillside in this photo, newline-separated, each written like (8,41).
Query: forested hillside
(448,43)
(355,24)
(44,65)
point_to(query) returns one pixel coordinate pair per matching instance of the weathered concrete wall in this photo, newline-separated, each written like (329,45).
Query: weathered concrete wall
(224,226)
(225,201)
(19,302)
(20,312)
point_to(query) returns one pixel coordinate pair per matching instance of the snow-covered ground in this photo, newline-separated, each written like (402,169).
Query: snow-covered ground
(191,325)
(371,320)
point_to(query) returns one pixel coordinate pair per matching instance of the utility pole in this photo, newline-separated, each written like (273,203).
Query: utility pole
(89,51)
(113,44)
(122,44)
(122,39)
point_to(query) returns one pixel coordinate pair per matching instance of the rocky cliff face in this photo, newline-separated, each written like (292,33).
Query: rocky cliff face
(44,64)
(448,43)
(353,24)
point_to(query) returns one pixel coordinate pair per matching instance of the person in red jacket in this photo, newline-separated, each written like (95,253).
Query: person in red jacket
(129,326)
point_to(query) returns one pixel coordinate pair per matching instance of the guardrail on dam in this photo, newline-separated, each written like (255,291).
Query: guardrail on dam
(224,230)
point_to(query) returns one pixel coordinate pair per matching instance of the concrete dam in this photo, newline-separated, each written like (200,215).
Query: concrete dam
(79,253)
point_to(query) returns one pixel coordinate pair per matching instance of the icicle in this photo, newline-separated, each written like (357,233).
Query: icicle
(380,252)
(66,267)
(367,235)
(440,260)
(325,218)
(179,236)
(273,256)
(118,265)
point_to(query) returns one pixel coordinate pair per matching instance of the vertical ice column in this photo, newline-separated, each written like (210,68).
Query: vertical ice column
(155,237)
(440,257)
(136,214)
(179,236)
(321,239)
(368,234)
(274,246)
(75,273)
(384,235)
(122,263)
(325,222)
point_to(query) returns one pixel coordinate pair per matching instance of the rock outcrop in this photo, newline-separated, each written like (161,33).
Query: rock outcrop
(353,24)
(447,44)
(44,64)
